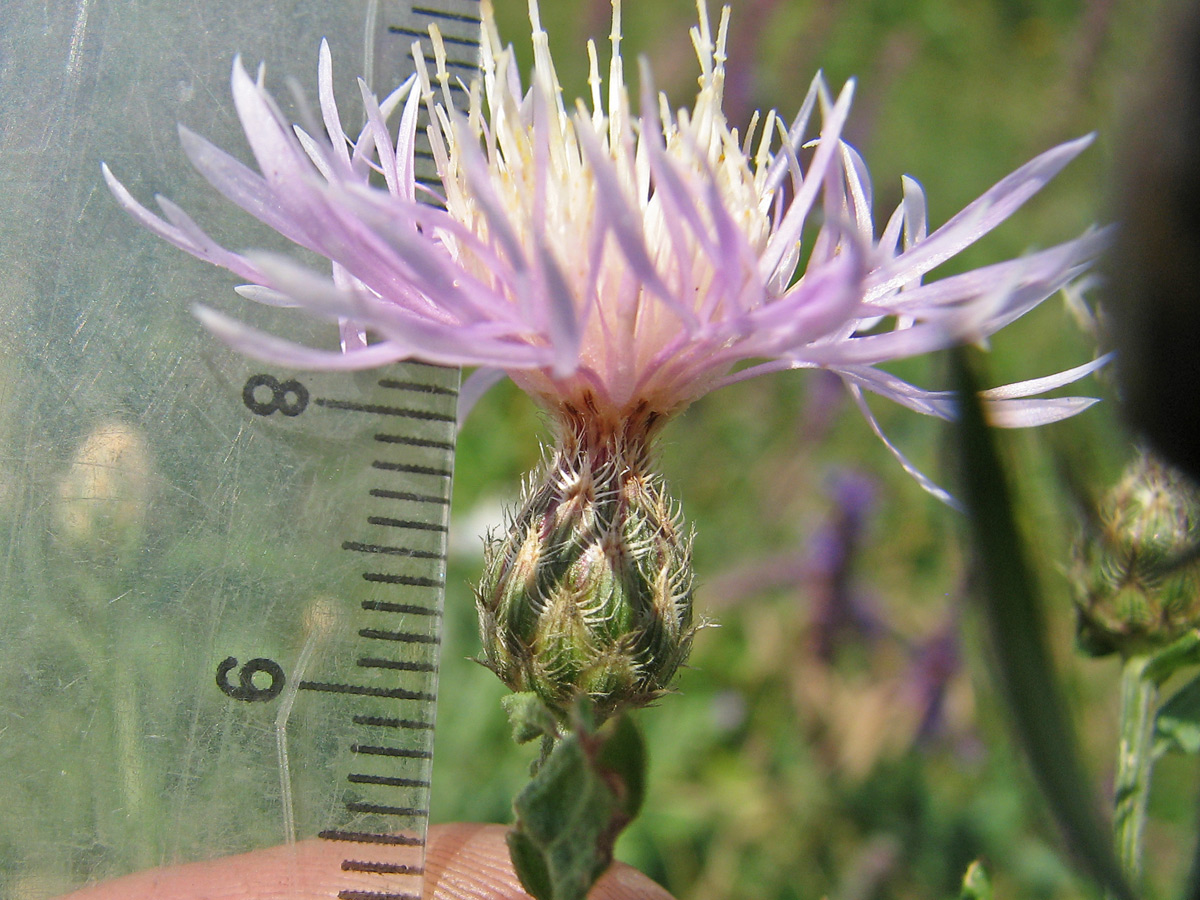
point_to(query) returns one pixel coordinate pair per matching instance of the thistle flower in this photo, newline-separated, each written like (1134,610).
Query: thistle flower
(616,265)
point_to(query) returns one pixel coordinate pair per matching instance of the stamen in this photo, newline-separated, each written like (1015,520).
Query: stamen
(439,55)
(595,84)
(617,111)
(750,128)
(722,36)
(702,42)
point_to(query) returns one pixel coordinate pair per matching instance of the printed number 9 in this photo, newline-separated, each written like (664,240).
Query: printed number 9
(246,689)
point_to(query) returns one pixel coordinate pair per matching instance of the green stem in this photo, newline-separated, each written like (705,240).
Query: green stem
(1135,760)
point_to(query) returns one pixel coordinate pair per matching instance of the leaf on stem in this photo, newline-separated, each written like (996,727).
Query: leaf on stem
(570,814)
(1177,725)
(1011,606)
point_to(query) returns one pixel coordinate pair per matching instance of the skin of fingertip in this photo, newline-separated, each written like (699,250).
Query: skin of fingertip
(463,862)
(470,862)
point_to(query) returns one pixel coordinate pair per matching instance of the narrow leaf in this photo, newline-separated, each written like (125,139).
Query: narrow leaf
(1011,606)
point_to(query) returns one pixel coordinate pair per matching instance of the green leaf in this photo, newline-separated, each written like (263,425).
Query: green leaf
(1012,609)
(623,757)
(528,717)
(530,864)
(1177,725)
(1170,659)
(976,884)
(571,812)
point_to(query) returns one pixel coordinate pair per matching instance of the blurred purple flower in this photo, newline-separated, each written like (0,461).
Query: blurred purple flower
(839,609)
(616,265)
(936,662)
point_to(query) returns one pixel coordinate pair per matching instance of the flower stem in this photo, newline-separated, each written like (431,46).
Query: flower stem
(1135,760)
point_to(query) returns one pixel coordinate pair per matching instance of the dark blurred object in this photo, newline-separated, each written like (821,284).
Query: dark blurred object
(1155,267)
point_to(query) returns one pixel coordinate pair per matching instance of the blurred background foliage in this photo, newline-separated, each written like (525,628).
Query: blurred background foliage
(838,732)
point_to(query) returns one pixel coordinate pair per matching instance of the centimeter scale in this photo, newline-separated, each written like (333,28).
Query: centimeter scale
(221,584)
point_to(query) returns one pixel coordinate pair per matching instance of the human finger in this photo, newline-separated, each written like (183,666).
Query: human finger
(463,862)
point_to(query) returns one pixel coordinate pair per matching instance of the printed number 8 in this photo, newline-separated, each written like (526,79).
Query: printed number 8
(288,397)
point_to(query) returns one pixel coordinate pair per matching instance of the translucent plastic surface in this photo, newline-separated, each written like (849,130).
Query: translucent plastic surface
(220,583)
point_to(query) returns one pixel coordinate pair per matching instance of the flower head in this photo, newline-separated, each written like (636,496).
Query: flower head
(613,262)
(617,265)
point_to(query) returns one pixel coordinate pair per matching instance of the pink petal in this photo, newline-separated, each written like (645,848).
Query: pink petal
(921,478)
(239,184)
(788,231)
(267,347)
(978,218)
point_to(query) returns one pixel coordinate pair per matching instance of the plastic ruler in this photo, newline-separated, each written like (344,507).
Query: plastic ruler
(221,583)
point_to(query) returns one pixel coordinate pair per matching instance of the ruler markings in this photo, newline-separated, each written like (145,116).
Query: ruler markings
(387,780)
(395,752)
(363,690)
(413,441)
(387,722)
(424,36)
(384,809)
(356,865)
(399,637)
(387,494)
(371,837)
(379,409)
(448,16)
(409,580)
(405,523)
(417,386)
(413,608)
(459,22)
(360,547)
(373,662)
(385,466)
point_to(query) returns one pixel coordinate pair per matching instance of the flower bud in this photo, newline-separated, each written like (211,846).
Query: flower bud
(1131,594)
(589,593)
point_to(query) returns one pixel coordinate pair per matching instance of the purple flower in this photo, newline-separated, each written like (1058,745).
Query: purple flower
(616,265)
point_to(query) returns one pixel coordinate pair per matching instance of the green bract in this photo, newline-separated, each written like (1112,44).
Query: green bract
(589,591)
(1134,593)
